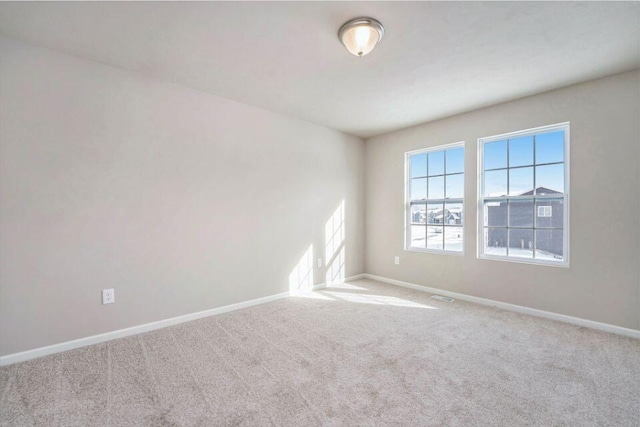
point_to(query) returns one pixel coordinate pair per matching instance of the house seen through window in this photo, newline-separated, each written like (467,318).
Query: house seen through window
(435,194)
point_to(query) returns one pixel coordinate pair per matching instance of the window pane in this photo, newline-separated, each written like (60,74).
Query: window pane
(495,213)
(455,186)
(550,213)
(434,238)
(521,213)
(418,236)
(453,239)
(550,179)
(520,243)
(436,163)
(495,155)
(520,181)
(436,187)
(455,160)
(495,183)
(434,213)
(495,241)
(549,245)
(550,147)
(418,165)
(418,214)
(521,151)
(453,214)
(418,189)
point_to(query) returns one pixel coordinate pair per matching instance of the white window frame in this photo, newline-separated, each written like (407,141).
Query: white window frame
(407,201)
(481,199)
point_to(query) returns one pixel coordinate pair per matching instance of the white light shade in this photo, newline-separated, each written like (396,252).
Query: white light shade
(361,35)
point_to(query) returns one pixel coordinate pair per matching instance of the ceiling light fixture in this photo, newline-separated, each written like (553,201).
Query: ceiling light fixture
(360,35)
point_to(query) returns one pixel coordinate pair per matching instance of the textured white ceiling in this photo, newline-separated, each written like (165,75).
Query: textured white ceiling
(436,59)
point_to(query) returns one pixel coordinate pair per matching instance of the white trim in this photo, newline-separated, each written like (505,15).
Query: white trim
(525,132)
(619,330)
(347,279)
(522,260)
(437,251)
(134,330)
(566,127)
(441,147)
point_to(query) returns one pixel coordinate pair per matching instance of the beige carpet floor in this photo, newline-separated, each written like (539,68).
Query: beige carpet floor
(363,354)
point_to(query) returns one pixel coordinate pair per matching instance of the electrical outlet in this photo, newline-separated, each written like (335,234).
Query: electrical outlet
(108,296)
(396,260)
(319,262)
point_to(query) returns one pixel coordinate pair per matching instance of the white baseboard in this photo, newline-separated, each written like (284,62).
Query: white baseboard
(108,336)
(619,330)
(347,279)
(121,333)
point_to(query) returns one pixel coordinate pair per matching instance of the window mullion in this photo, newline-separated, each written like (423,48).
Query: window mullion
(535,192)
(444,189)
(508,175)
(508,222)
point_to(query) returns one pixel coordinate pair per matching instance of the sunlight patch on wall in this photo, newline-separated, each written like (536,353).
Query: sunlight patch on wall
(334,232)
(336,271)
(334,249)
(301,277)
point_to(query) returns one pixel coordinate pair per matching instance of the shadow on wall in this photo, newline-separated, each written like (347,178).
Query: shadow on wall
(301,277)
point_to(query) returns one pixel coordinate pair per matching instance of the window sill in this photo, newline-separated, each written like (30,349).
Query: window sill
(435,251)
(563,264)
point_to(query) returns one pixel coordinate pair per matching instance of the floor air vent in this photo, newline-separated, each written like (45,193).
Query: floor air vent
(441,298)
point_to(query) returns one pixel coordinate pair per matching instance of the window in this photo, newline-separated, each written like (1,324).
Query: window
(435,195)
(544,211)
(524,190)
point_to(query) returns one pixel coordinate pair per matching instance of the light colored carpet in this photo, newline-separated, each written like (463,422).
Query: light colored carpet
(363,353)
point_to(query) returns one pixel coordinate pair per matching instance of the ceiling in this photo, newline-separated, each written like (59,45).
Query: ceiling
(436,59)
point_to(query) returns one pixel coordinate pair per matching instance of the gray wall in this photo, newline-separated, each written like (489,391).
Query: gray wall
(179,200)
(603,281)
(183,201)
